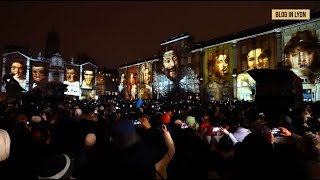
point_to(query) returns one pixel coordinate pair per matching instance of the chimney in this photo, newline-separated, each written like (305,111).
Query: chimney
(39,55)
(72,60)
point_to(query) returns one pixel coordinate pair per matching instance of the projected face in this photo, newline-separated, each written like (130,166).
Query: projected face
(87,79)
(38,73)
(221,65)
(146,76)
(134,87)
(302,55)
(71,75)
(300,58)
(301,50)
(169,59)
(17,70)
(257,59)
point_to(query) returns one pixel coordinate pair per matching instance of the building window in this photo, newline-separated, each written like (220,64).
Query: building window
(189,60)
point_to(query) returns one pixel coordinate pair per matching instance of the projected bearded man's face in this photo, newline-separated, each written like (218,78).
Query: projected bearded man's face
(221,65)
(168,59)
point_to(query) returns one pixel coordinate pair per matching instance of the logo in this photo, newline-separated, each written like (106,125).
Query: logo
(290,14)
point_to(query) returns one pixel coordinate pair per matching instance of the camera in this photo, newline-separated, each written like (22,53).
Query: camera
(136,122)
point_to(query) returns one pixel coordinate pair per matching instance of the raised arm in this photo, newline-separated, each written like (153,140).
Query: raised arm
(161,166)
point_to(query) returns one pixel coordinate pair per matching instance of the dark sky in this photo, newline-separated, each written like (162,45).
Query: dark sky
(115,33)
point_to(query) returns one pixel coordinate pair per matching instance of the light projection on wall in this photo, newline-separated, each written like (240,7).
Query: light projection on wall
(190,82)
(162,85)
(122,82)
(302,55)
(246,87)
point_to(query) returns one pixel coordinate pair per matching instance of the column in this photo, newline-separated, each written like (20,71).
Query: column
(28,75)
(235,70)
(278,48)
(3,73)
(80,81)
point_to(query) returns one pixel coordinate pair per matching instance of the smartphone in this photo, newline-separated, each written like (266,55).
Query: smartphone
(215,129)
(136,122)
(275,130)
(184,125)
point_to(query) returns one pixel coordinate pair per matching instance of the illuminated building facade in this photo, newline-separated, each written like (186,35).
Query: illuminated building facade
(33,73)
(217,69)
(137,80)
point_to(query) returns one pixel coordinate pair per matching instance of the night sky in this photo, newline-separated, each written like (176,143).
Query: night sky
(115,33)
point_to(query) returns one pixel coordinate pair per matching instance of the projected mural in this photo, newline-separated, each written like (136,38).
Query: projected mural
(170,62)
(256,53)
(17,66)
(190,81)
(217,69)
(253,53)
(246,87)
(302,56)
(72,80)
(88,79)
(122,82)
(39,74)
(132,83)
(162,84)
(145,91)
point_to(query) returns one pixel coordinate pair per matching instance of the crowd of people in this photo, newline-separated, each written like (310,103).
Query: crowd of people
(151,139)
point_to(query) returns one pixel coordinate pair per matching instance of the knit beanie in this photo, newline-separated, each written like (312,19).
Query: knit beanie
(191,120)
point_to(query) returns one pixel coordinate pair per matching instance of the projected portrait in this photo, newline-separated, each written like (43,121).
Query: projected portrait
(246,87)
(220,65)
(302,54)
(258,58)
(145,87)
(87,81)
(72,80)
(133,88)
(122,82)
(18,68)
(170,60)
(71,75)
(38,73)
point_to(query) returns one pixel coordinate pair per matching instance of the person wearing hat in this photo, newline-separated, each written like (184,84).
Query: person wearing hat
(131,157)
(192,123)
(136,159)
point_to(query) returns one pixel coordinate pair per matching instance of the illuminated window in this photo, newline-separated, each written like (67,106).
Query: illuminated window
(244,84)
(116,93)
(112,79)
